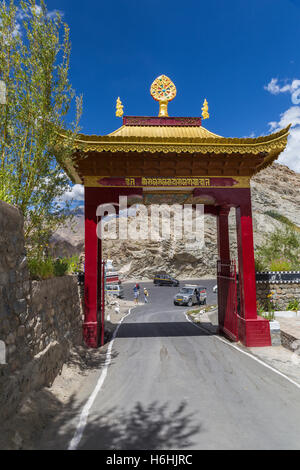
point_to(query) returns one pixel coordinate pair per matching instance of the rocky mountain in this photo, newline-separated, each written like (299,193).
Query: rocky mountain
(275,191)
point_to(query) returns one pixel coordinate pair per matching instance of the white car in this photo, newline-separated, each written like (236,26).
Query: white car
(191,295)
(115,289)
(215,290)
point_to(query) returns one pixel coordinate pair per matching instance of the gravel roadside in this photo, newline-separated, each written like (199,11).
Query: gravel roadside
(51,405)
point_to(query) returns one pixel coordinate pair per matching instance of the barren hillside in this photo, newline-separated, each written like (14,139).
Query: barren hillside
(276,189)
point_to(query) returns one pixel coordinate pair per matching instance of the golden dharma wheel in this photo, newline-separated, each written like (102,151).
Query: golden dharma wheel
(163,90)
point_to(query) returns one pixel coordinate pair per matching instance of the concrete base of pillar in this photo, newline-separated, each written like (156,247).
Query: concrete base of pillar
(91,335)
(254,333)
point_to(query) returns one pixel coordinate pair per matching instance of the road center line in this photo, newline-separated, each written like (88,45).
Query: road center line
(246,353)
(86,409)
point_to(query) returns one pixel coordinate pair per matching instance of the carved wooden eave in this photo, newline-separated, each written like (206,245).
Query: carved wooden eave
(176,140)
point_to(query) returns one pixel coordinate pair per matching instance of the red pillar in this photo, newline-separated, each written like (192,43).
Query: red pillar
(223,234)
(93,257)
(92,272)
(253,330)
(226,280)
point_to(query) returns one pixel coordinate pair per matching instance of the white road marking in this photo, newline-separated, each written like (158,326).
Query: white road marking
(86,409)
(246,353)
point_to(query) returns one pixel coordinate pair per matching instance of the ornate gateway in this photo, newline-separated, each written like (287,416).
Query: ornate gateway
(156,159)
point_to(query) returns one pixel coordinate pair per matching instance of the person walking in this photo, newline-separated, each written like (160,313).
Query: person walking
(146,295)
(136,295)
(138,290)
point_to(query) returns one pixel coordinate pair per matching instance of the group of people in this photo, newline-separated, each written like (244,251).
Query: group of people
(137,292)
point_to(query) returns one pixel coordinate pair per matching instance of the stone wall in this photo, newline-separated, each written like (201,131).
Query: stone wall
(39,321)
(283,294)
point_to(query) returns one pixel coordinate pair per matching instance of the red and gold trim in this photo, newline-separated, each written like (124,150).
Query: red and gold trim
(168,182)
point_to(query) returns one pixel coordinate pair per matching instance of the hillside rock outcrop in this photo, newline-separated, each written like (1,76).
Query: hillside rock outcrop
(276,189)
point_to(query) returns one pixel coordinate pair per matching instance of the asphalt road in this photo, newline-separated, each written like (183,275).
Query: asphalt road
(172,386)
(165,294)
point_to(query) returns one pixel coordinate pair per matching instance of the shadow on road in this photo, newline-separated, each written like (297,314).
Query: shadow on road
(141,428)
(48,422)
(162,330)
(85,359)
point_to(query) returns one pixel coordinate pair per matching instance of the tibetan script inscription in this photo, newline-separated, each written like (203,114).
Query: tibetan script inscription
(176,182)
(130,181)
(168,182)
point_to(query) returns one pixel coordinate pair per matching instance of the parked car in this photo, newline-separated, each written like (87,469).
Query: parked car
(190,295)
(116,290)
(215,290)
(162,279)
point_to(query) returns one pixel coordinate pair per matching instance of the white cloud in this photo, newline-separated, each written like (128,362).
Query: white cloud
(250,136)
(37,9)
(293,88)
(291,155)
(21,15)
(76,193)
(290,116)
(52,14)
(16,32)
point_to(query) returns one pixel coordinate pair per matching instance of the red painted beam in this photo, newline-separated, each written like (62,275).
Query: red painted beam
(162,121)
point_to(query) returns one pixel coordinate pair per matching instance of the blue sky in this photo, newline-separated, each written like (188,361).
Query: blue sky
(227,51)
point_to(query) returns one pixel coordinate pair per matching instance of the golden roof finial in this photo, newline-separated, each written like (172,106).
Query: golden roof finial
(119,111)
(205,113)
(163,90)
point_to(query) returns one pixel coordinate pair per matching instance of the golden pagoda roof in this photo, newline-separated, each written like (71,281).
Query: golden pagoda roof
(165,132)
(180,140)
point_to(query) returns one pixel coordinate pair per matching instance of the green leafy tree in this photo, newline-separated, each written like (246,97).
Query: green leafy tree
(34,65)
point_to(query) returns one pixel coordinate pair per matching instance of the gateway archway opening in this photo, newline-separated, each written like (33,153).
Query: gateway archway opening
(180,251)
